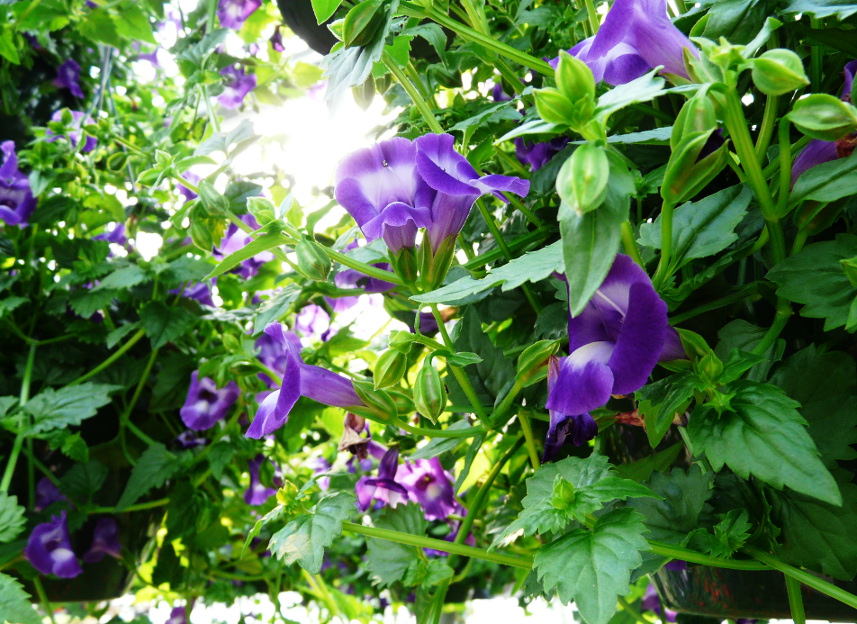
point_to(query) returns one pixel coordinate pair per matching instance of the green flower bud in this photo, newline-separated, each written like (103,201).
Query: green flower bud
(433,267)
(262,209)
(693,344)
(563,494)
(532,363)
(849,265)
(582,180)
(401,341)
(363,23)
(429,393)
(405,264)
(709,367)
(824,117)
(380,407)
(553,106)
(213,202)
(312,263)
(778,71)
(697,116)
(390,368)
(574,79)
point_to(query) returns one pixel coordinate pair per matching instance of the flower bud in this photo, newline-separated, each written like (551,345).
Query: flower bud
(532,363)
(379,406)
(212,200)
(553,106)
(709,366)
(693,344)
(563,494)
(582,180)
(429,393)
(778,71)
(824,117)
(574,79)
(404,264)
(434,265)
(401,341)
(390,368)
(696,117)
(849,265)
(312,263)
(362,23)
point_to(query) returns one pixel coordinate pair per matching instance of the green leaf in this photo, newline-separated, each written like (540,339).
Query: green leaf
(491,374)
(590,241)
(641,470)
(11,518)
(593,567)
(119,333)
(126,277)
(660,401)
(826,386)
(761,433)
(15,604)
(275,306)
(531,267)
(324,9)
(134,24)
(427,573)
(441,445)
(826,182)
(841,9)
(743,336)
(99,25)
(703,228)
(264,242)
(816,278)
(8,49)
(87,302)
(305,538)
(817,535)
(683,496)
(186,269)
(387,561)
(641,89)
(10,303)
(737,20)
(153,468)
(83,480)
(730,534)
(163,324)
(66,407)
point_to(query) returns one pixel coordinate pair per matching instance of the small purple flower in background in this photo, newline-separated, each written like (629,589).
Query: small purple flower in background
(319,465)
(189,439)
(384,488)
(429,485)
(205,403)
(236,239)
(68,77)
(200,292)
(652,602)
(817,151)
(636,36)
(614,344)
(47,494)
(178,616)
(257,493)
(299,379)
(115,235)
(74,135)
(16,197)
(105,541)
(312,321)
(237,88)
(233,13)
(185,191)
(351,278)
(277,41)
(537,155)
(49,549)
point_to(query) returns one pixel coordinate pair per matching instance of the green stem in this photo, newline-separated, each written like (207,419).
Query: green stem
(125,417)
(769,120)
(662,272)
(739,295)
(691,556)
(630,245)
(161,502)
(505,404)
(530,239)
(785,160)
(215,122)
(527,428)
(412,92)
(592,16)
(804,577)
(470,432)
(46,604)
(19,438)
(366,269)
(795,601)
(630,610)
(815,59)
(784,312)
(116,355)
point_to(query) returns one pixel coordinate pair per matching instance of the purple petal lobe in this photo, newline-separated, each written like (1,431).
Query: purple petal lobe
(49,549)
(584,382)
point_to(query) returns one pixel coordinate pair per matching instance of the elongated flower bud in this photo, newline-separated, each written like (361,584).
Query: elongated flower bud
(429,393)
(390,368)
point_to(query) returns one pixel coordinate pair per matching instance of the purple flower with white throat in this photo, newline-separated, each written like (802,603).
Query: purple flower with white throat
(299,379)
(384,488)
(206,403)
(636,36)
(68,77)
(78,119)
(257,493)
(236,239)
(49,549)
(16,197)
(233,13)
(105,541)
(614,345)
(239,85)
(817,151)
(430,485)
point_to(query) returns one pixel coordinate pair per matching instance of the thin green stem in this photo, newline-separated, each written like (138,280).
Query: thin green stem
(785,160)
(161,502)
(815,63)
(804,577)
(505,404)
(19,438)
(662,272)
(691,556)
(116,355)
(745,292)
(630,610)
(412,92)
(212,116)
(630,245)
(591,16)
(470,432)
(46,604)
(795,600)
(784,312)
(527,428)
(366,269)
(769,120)
(530,239)
(125,417)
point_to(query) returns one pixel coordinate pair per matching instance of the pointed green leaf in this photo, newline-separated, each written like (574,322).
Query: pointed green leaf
(15,606)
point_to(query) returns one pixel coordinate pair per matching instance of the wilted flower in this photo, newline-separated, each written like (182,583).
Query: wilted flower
(16,197)
(77,120)
(299,380)
(233,13)
(237,88)
(68,76)
(235,239)
(384,488)
(428,484)
(105,541)
(49,549)
(205,403)
(636,36)
(47,494)
(257,493)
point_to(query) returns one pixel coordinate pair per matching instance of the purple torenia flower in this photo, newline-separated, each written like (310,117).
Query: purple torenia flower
(177,616)
(652,602)
(233,13)
(277,41)
(16,197)
(49,549)
(257,493)
(68,76)
(188,440)
(236,239)
(312,320)
(237,88)
(384,488)
(200,292)
(116,235)
(78,119)
(614,345)
(636,36)
(185,191)
(105,541)
(429,485)
(205,403)
(47,494)
(537,155)
(817,151)
(299,379)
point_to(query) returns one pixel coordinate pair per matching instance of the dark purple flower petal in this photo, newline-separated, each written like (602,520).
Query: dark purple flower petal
(257,494)
(49,549)
(205,404)
(47,494)
(236,239)
(185,191)
(16,197)
(105,541)
(277,41)
(189,439)
(200,292)
(429,485)
(815,153)
(384,488)
(584,382)
(68,77)
(116,235)
(238,87)
(233,13)
(537,155)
